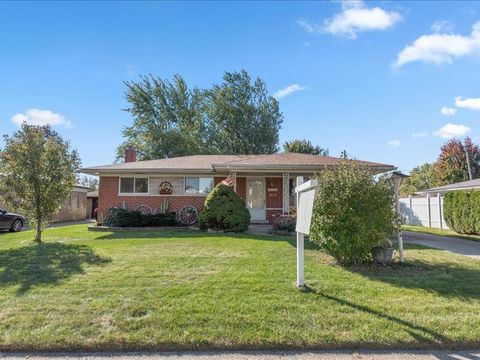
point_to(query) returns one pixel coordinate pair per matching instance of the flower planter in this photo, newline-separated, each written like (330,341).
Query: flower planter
(382,255)
(165,188)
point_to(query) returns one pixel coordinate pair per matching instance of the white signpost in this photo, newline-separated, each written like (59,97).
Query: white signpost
(305,193)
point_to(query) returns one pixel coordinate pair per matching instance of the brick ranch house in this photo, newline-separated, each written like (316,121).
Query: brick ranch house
(265,182)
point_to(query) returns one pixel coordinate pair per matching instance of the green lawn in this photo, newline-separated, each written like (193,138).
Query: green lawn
(441,232)
(166,290)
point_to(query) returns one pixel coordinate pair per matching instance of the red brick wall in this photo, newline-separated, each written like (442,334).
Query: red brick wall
(241,185)
(108,197)
(217,180)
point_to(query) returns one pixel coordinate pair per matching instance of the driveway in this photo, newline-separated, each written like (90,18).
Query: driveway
(266,355)
(57,224)
(459,246)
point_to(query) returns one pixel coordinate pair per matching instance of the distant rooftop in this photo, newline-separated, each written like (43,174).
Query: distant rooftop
(470,184)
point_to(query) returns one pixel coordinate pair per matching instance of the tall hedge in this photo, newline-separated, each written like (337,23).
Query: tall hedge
(224,210)
(461,210)
(352,213)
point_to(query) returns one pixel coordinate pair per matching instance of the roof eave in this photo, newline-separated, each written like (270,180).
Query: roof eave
(98,172)
(293,166)
(378,168)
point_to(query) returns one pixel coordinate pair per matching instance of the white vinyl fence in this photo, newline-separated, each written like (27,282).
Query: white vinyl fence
(424,211)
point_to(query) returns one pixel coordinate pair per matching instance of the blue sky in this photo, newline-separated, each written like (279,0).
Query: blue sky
(369,77)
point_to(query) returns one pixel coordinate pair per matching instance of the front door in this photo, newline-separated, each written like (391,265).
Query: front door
(256,199)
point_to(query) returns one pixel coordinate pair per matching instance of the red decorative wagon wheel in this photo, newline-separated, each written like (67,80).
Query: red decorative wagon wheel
(187,215)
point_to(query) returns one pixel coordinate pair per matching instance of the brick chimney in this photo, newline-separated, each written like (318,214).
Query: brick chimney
(130,155)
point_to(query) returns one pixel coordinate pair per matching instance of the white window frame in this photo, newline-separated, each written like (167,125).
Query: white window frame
(198,193)
(134,180)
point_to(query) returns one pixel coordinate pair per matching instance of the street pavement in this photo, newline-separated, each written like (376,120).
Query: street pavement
(259,355)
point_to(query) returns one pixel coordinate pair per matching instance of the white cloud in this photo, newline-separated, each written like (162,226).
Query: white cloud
(445,110)
(354,18)
(41,117)
(442,26)
(290,89)
(440,48)
(420,134)
(451,130)
(472,103)
(394,143)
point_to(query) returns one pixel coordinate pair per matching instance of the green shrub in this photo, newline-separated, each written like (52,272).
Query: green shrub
(461,210)
(475,200)
(119,217)
(352,213)
(284,223)
(224,210)
(448,210)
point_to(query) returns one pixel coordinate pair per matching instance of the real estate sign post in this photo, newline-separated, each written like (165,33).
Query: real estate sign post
(305,194)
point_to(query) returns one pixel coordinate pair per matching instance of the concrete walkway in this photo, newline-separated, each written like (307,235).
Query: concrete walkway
(259,229)
(459,246)
(320,355)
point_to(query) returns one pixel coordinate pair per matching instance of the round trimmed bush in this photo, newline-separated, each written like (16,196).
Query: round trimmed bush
(224,210)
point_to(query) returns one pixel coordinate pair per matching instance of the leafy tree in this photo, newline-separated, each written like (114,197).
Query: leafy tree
(38,173)
(352,213)
(344,154)
(243,118)
(304,146)
(167,119)
(421,177)
(170,119)
(451,165)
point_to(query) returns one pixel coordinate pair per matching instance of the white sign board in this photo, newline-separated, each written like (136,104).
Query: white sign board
(304,211)
(305,194)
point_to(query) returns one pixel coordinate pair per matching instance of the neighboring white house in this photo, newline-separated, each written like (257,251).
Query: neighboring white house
(425,208)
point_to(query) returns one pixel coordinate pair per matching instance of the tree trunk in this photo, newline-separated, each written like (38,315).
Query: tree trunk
(38,236)
(38,220)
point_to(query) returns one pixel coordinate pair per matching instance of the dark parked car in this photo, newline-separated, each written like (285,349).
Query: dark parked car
(10,221)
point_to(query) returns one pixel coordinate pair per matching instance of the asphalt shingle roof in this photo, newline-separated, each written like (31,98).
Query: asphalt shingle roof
(211,162)
(456,186)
